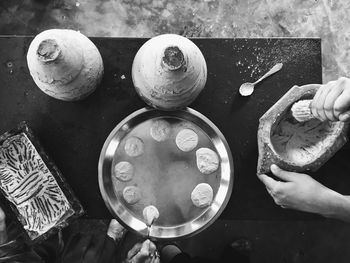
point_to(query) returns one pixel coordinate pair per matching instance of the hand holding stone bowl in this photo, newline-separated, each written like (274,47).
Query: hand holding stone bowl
(300,191)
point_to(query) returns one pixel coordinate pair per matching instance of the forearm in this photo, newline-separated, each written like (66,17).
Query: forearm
(336,206)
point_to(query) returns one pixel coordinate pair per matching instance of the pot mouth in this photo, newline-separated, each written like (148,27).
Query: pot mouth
(48,50)
(173,58)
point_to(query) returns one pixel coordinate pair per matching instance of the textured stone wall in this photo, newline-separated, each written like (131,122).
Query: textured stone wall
(328,19)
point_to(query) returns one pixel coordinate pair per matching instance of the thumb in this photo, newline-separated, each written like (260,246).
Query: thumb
(146,247)
(344,116)
(143,254)
(3,232)
(282,174)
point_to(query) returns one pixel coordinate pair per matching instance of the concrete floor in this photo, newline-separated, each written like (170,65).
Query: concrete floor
(281,241)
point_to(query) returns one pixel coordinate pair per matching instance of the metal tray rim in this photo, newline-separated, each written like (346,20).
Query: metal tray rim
(185,230)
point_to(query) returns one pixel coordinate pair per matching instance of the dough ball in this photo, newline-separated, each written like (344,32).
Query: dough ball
(186,140)
(124,171)
(207,160)
(160,130)
(134,146)
(132,194)
(150,214)
(202,195)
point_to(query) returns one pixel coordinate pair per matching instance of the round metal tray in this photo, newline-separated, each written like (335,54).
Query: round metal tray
(165,174)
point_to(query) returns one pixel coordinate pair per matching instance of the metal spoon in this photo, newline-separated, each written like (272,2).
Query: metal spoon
(246,89)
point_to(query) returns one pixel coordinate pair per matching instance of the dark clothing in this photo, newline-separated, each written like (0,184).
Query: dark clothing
(18,251)
(89,249)
(77,248)
(229,255)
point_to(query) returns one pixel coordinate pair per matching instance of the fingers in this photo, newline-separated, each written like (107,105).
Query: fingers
(145,252)
(332,100)
(152,248)
(140,257)
(317,104)
(135,249)
(268,182)
(282,174)
(345,116)
(145,247)
(329,102)
(115,230)
(3,232)
(274,188)
(342,104)
(313,104)
(155,259)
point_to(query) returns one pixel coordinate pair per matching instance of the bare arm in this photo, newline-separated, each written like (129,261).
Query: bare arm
(301,192)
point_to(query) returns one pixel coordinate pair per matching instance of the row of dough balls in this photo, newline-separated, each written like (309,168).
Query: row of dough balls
(201,196)
(207,163)
(186,140)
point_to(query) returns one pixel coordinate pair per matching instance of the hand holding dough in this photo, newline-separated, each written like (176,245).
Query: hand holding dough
(145,252)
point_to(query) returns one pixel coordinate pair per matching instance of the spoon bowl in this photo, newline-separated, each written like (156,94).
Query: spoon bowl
(247,89)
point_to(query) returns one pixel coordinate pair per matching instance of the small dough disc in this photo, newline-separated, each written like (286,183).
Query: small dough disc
(150,214)
(207,160)
(124,171)
(134,146)
(186,140)
(160,130)
(202,195)
(132,194)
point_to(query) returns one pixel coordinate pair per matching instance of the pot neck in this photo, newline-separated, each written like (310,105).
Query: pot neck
(173,58)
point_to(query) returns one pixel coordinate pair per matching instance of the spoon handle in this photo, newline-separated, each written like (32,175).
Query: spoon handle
(273,70)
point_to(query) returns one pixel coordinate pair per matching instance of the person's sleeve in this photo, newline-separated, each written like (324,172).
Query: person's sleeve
(18,251)
(90,248)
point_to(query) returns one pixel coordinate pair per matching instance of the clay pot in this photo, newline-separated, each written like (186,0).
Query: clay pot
(169,71)
(297,146)
(64,64)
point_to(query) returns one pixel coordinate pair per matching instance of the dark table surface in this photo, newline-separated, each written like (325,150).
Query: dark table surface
(73,132)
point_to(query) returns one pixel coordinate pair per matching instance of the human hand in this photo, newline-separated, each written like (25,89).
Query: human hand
(145,252)
(299,191)
(3,232)
(332,101)
(115,230)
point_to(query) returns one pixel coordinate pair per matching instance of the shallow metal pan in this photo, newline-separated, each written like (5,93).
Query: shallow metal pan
(168,188)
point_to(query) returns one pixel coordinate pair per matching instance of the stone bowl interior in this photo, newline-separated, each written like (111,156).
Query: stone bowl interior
(301,143)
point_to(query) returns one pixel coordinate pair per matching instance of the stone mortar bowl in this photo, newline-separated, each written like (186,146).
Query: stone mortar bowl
(297,146)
